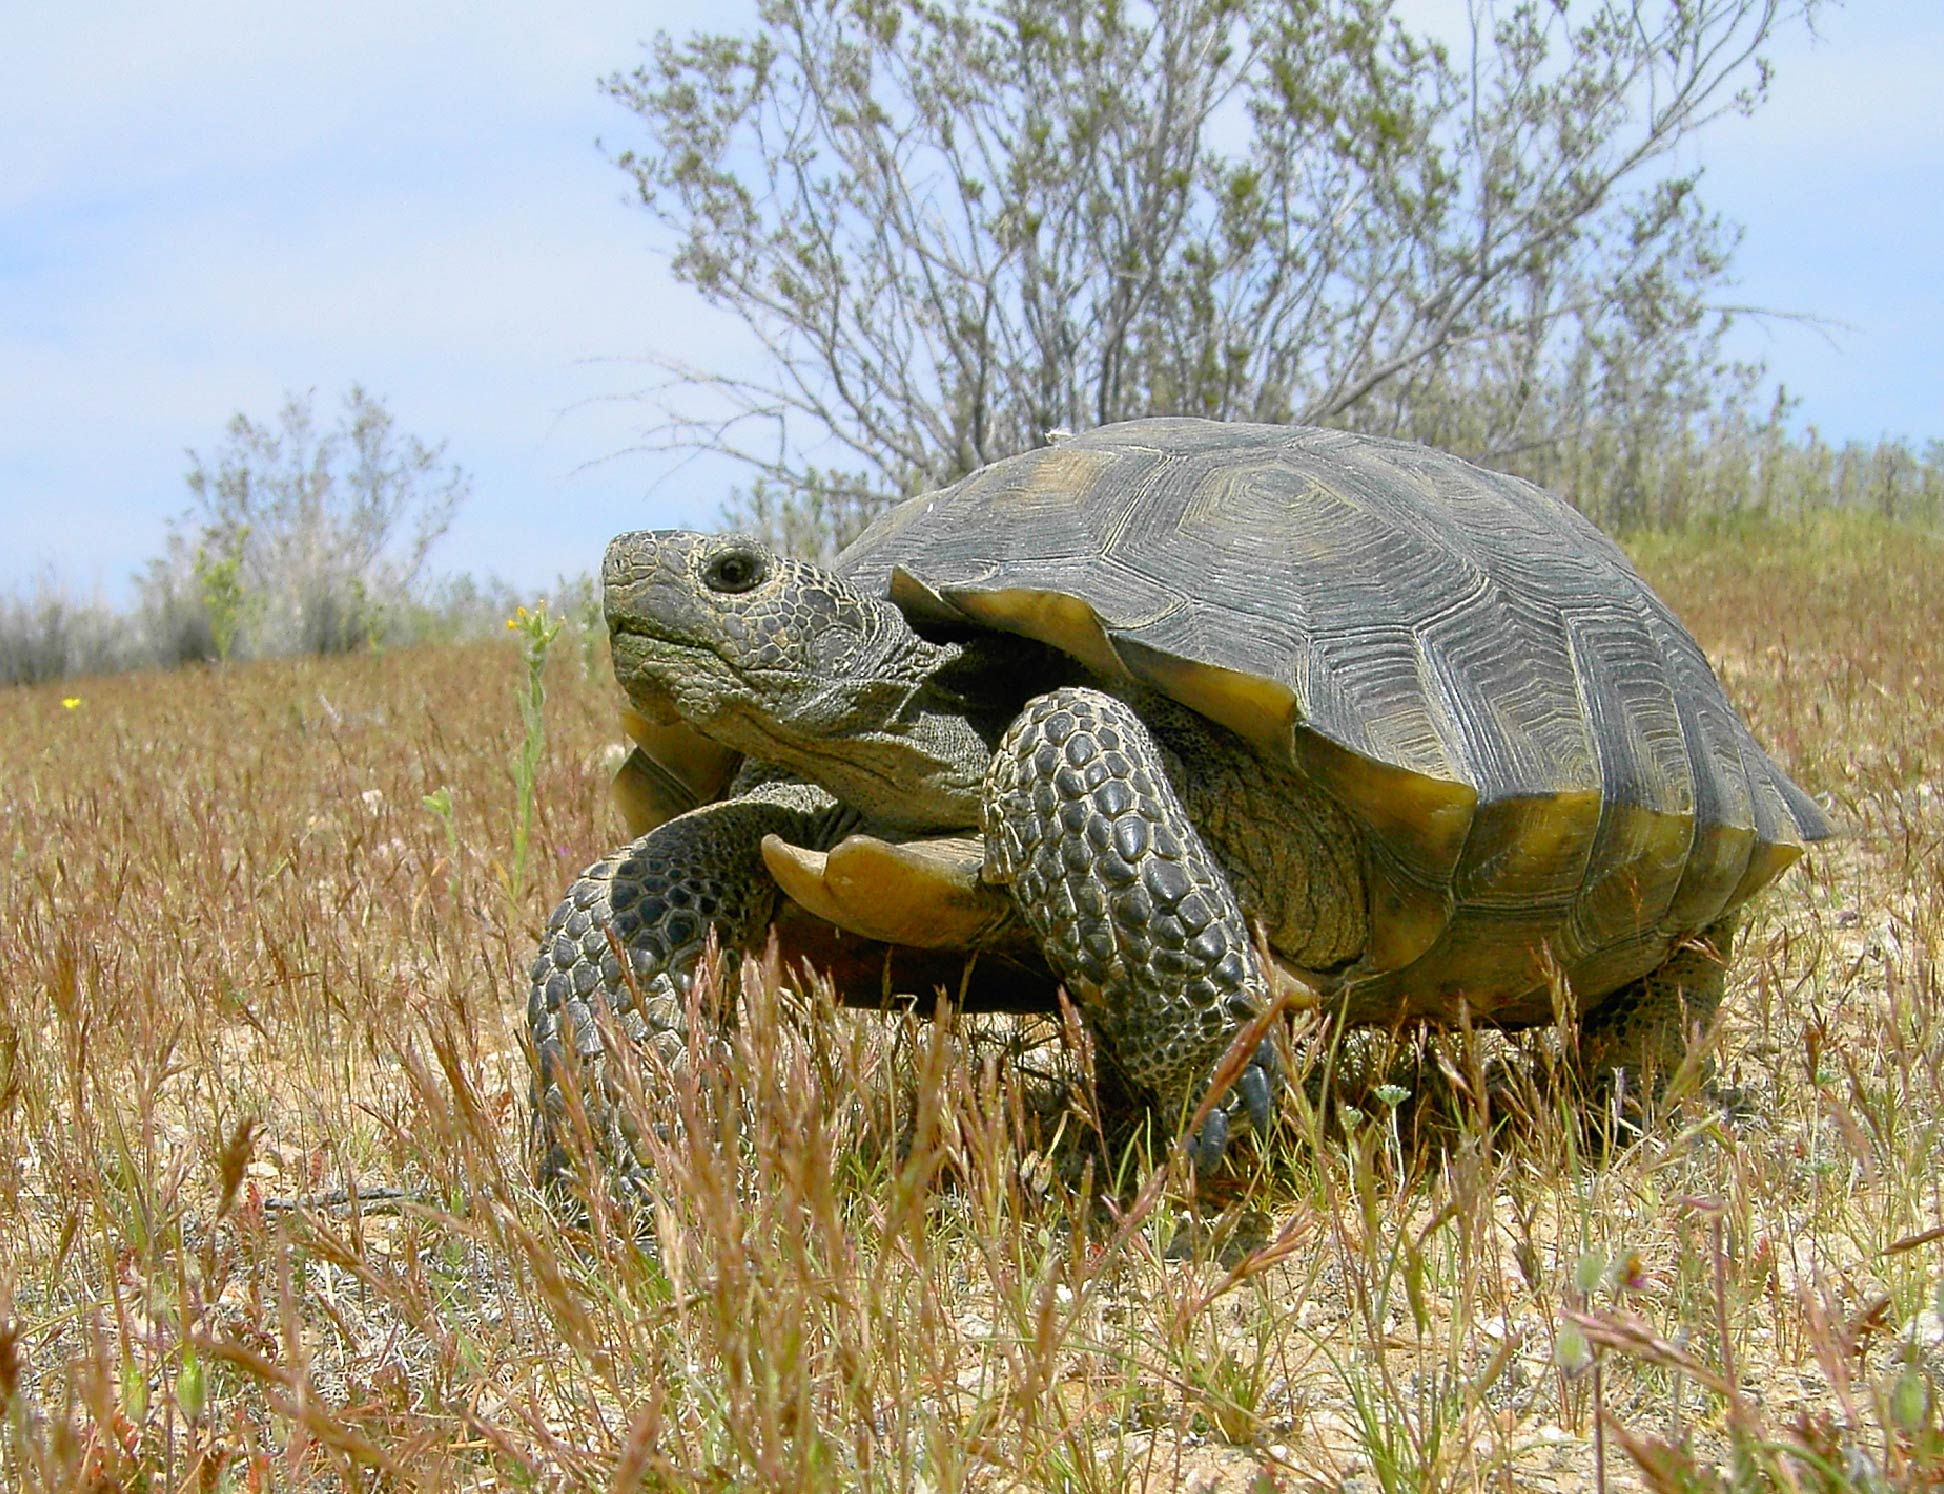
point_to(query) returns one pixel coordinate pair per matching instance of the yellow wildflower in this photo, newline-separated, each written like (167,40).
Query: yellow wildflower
(70,702)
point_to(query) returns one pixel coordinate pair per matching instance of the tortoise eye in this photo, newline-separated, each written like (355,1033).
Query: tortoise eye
(733,571)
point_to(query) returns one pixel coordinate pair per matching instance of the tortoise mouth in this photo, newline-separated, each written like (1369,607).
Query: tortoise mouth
(628,626)
(642,660)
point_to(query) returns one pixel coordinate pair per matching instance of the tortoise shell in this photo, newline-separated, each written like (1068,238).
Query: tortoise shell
(1535,745)
(1548,775)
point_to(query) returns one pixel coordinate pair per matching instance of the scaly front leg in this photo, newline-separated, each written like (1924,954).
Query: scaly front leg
(1129,905)
(658,899)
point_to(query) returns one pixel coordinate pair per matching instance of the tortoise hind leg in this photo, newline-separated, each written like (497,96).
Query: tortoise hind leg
(1635,1040)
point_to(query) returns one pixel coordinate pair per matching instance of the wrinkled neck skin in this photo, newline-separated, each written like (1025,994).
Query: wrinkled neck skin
(901,744)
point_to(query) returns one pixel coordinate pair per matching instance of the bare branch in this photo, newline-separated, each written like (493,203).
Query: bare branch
(953,224)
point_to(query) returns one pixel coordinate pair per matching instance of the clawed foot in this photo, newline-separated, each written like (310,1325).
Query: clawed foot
(1250,1103)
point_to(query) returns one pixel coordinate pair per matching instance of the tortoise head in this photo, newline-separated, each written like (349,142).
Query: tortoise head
(785,661)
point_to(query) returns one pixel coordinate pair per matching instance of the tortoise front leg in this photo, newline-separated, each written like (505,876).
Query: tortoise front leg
(659,899)
(1130,907)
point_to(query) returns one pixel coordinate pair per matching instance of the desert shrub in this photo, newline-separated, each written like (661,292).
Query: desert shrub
(48,634)
(302,539)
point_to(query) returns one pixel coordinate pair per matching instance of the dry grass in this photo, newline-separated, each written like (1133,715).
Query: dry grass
(264,1219)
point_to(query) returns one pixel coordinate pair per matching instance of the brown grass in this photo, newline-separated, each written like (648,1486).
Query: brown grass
(265,1221)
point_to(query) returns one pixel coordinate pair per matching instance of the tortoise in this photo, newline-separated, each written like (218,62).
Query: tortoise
(1159,713)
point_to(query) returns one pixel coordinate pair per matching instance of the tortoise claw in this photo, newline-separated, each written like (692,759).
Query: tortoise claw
(1257,1088)
(1259,1085)
(1210,1143)
(1254,1085)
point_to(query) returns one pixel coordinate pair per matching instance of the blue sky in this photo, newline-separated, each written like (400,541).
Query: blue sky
(207,203)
